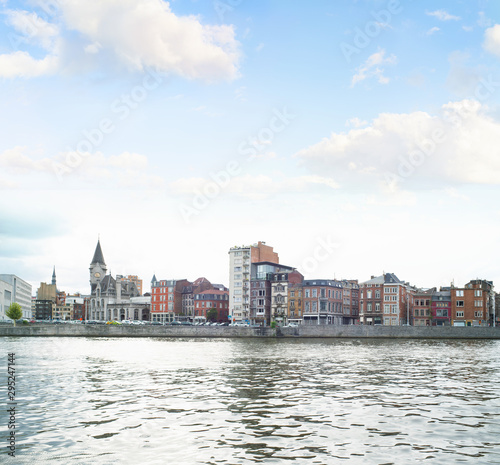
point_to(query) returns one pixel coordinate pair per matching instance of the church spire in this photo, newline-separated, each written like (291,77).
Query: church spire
(54,276)
(98,257)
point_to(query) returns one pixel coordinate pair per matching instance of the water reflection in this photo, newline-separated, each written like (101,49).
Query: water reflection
(257,401)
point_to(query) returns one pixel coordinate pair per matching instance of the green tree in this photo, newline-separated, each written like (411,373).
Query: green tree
(14,312)
(212,314)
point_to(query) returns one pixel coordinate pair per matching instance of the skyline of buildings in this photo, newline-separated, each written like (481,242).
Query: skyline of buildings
(261,291)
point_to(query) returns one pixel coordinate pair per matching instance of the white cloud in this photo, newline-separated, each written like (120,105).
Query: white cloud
(492,40)
(22,64)
(432,30)
(256,187)
(372,67)
(146,33)
(442,15)
(136,34)
(33,28)
(126,170)
(416,150)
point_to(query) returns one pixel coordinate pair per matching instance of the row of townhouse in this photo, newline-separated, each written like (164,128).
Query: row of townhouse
(265,291)
(386,300)
(177,299)
(272,292)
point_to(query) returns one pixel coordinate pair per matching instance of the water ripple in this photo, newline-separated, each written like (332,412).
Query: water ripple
(185,401)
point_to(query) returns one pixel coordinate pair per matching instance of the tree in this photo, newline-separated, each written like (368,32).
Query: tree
(14,312)
(212,314)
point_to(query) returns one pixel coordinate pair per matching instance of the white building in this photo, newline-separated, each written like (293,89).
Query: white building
(21,293)
(5,298)
(240,260)
(239,283)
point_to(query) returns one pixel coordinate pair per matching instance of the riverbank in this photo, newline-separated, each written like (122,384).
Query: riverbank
(355,331)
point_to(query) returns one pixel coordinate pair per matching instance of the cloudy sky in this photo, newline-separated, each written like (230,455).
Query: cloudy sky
(355,137)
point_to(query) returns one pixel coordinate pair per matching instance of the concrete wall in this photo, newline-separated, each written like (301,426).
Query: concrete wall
(361,331)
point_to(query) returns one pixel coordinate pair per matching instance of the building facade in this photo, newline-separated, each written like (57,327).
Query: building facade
(240,261)
(5,298)
(205,301)
(111,299)
(21,292)
(280,285)
(386,300)
(323,302)
(441,307)
(473,304)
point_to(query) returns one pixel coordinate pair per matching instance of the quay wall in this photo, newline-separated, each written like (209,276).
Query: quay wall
(330,331)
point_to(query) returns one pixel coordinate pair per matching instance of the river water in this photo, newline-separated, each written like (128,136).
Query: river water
(247,401)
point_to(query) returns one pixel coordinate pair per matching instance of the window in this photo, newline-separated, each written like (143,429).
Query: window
(315,293)
(394,309)
(237,268)
(377,294)
(460,303)
(368,294)
(478,303)
(387,308)
(459,293)
(478,314)
(377,307)
(307,293)
(478,293)
(459,314)
(369,307)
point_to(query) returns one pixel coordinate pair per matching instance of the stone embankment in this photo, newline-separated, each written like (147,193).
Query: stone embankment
(357,331)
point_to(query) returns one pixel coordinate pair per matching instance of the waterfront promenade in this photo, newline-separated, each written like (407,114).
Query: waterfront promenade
(330,331)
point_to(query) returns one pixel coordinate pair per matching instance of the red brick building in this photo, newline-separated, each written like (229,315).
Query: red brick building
(471,305)
(166,299)
(213,298)
(323,302)
(385,300)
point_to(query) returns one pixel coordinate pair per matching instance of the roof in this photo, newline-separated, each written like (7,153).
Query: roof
(386,278)
(98,257)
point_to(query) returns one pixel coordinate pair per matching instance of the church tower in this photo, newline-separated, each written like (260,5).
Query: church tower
(97,266)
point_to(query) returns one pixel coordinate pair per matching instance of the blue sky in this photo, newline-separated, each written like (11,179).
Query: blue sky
(177,130)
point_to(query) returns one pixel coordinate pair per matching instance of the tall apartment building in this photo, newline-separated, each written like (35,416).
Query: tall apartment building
(473,304)
(240,260)
(21,292)
(385,300)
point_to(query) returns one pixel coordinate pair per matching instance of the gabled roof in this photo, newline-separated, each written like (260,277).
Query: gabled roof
(98,257)
(386,278)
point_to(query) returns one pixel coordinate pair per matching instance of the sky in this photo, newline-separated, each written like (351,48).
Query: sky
(354,137)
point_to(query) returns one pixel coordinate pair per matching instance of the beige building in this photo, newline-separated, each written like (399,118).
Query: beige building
(240,260)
